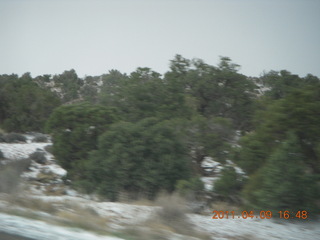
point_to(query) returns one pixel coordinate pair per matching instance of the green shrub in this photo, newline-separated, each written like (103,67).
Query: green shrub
(193,186)
(284,182)
(147,157)
(75,130)
(229,184)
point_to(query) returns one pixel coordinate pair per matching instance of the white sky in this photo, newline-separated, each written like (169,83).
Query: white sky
(93,37)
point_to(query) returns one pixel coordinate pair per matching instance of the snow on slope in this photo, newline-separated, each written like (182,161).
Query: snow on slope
(20,150)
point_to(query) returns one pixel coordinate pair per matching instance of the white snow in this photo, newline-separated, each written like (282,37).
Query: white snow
(55,169)
(209,162)
(20,150)
(214,168)
(209,182)
(123,213)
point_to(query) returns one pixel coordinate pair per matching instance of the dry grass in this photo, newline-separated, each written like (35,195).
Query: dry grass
(62,213)
(84,219)
(172,217)
(33,204)
(55,190)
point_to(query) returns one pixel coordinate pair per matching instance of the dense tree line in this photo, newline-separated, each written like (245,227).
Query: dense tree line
(143,132)
(24,106)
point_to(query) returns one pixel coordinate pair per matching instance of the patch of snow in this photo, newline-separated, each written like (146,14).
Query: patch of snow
(239,170)
(20,150)
(236,168)
(123,213)
(209,182)
(55,169)
(211,166)
(71,192)
(209,162)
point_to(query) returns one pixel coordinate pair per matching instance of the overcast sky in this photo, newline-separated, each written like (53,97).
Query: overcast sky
(93,37)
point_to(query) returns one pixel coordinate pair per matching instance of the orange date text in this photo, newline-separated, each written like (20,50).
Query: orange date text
(259,215)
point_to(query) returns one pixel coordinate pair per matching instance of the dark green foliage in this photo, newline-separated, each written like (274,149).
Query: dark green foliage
(193,186)
(253,153)
(24,106)
(251,188)
(283,82)
(207,137)
(1,155)
(298,112)
(141,95)
(142,157)
(172,123)
(75,130)
(217,91)
(229,184)
(69,83)
(284,175)
(285,183)
(111,91)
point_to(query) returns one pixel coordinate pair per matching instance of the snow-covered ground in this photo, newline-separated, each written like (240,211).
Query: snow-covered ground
(19,151)
(262,229)
(120,215)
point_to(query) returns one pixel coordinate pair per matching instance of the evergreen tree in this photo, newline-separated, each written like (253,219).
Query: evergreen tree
(142,157)
(24,106)
(75,130)
(216,91)
(285,183)
(229,184)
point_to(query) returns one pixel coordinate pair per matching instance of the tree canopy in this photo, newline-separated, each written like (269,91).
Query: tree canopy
(144,132)
(24,106)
